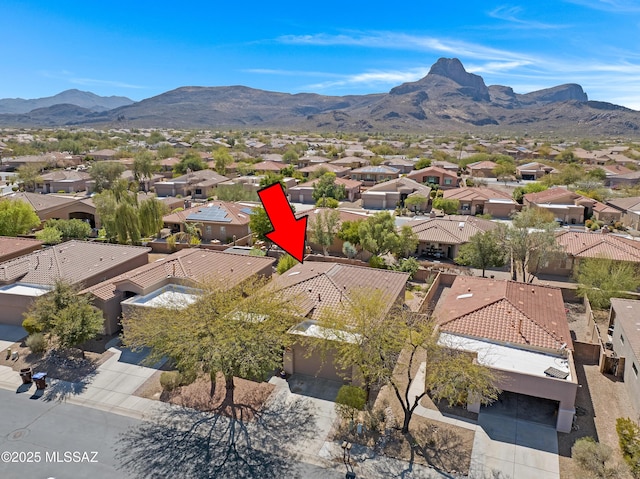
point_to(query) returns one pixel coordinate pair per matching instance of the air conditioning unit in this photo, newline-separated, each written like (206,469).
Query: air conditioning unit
(608,346)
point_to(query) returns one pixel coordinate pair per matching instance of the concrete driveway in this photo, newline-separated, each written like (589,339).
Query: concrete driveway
(510,447)
(9,335)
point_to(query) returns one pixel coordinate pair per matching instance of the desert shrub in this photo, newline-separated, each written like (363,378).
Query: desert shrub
(588,223)
(170,380)
(285,263)
(37,343)
(629,440)
(349,250)
(377,262)
(592,456)
(327,203)
(408,265)
(188,377)
(31,325)
(349,401)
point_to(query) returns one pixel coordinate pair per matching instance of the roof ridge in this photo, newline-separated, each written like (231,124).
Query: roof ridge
(482,306)
(554,334)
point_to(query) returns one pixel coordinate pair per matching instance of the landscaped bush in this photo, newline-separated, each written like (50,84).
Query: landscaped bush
(377,262)
(629,440)
(327,203)
(31,326)
(285,263)
(592,458)
(37,343)
(170,380)
(350,400)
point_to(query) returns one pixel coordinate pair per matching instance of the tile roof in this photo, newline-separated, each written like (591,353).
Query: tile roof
(10,246)
(65,175)
(480,165)
(399,183)
(550,195)
(41,202)
(467,193)
(339,181)
(432,169)
(376,170)
(505,311)
(75,261)
(596,245)
(319,285)
(631,203)
(193,263)
(269,166)
(452,229)
(324,166)
(627,314)
(212,212)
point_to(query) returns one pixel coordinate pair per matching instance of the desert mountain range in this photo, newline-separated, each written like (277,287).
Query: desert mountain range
(447,99)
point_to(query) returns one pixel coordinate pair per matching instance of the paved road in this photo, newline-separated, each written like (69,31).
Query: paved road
(49,433)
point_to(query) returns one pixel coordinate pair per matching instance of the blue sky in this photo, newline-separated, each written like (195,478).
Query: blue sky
(140,48)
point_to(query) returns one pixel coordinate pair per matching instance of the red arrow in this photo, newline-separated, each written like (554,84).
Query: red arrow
(288,232)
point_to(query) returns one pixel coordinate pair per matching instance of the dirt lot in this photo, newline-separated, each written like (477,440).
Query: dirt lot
(600,400)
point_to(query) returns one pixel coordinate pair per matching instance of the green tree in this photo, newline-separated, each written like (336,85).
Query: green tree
(422,163)
(235,192)
(531,242)
(166,151)
(601,279)
(71,229)
(384,346)
(406,243)
(16,217)
(145,164)
(407,265)
(260,224)
(67,316)
(350,232)
(484,250)
(378,233)
(49,235)
(505,171)
(412,202)
(349,401)
(29,175)
(324,228)
(290,156)
(191,161)
(450,206)
(105,174)
(520,191)
(240,331)
(222,159)
(285,263)
(150,213)
(271,178)
(326,187)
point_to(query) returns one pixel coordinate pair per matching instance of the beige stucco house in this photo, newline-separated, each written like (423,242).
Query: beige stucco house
(520,330)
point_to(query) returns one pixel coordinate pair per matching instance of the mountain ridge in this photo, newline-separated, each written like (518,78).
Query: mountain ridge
(447,99)
(84,99)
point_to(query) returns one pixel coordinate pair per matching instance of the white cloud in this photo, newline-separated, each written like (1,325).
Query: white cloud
(96,82)
(613,6)
(400,41)
(513,15)
(373,78)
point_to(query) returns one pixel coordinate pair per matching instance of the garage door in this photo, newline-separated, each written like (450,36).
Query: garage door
(314,365)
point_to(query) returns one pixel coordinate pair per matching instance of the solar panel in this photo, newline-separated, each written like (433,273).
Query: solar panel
(247,210)
(210,213)
(556,373)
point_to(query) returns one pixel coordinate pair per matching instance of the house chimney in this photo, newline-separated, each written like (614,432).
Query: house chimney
(174,269)
(319,298)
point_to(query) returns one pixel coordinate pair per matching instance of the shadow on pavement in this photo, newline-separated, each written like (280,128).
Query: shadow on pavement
(247,443)
(318,388)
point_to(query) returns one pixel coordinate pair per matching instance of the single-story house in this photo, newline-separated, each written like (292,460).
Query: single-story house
(371,175)
(80,262)
(533,170)
(316,286)
(264,167)
(351,162)
(405,166)
(49,207)
(478,201)
(338,170)
(302,193)
(336,246)
(437,176)
(219,221)
(442,237)
(628,179)
(196,184)
(391,194)
(157,282)
(578,245)
(625,340)
(518,329)
(482,169)
(63,181)
(567,206)
(629,209)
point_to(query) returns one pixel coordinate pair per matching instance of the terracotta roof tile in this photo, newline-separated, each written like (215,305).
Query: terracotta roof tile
(196,264)
(229,212)
(320,285)
(452,229)
(595,245)
(10,246)
(75,261)
(550,195)
(505,311)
